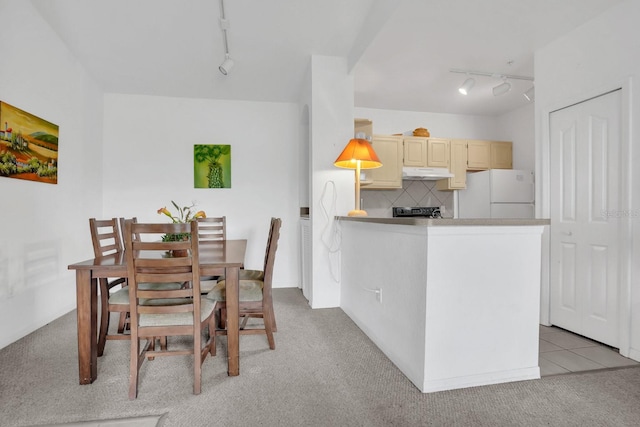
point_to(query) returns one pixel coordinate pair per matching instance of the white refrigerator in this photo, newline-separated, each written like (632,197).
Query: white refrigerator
(497,193)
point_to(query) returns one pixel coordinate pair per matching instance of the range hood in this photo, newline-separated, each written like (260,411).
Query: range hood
(425,173)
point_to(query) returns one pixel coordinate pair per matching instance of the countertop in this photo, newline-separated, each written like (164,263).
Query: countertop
(445,221)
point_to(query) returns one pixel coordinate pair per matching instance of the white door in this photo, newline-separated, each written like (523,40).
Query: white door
(584,172)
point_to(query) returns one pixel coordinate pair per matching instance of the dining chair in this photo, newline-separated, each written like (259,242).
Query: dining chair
(212,231)
(254,292)
(165,312)
(106,240)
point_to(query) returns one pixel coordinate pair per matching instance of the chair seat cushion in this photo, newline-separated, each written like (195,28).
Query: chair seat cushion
(250,291)
(121,296)
(249,275)
(180,319)
(207,286)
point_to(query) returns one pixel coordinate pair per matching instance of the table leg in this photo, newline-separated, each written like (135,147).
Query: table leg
(233,334)
(87,313)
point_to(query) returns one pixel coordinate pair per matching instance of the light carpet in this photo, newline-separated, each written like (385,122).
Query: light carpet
(324,372)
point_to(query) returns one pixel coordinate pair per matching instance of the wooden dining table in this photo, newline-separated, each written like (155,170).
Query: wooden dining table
(223,259)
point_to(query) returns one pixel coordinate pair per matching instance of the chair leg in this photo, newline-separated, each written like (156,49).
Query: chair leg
(268,327)
(104,320)
(122,323)
(222,321)
(197,362)
(134,368)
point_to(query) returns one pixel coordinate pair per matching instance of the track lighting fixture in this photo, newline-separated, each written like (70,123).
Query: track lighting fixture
(502,88)
(466,86)
(530,94)
(226,65)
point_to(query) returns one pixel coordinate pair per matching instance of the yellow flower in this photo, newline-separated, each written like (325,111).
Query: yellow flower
(200,214)
(166,212)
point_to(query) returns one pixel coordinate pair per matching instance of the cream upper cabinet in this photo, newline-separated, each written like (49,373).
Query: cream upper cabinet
(457,166)
(478,155)
(482,155)
(501,155)
(438,153)
(415,151)
(426,152)
(389,150)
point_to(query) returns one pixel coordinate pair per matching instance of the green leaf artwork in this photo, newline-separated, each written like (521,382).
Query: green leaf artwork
(211,166)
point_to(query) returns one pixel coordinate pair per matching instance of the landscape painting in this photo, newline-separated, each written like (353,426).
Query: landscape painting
(28,146)
(211,166)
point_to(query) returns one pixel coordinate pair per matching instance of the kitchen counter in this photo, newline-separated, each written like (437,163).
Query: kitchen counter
(453,303)
(435,222)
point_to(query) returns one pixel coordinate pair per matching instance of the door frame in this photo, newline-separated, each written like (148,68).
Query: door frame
(543,203)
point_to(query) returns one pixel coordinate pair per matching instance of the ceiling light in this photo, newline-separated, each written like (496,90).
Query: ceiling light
(226,65)
(530,94)
(466,86)
(502,88)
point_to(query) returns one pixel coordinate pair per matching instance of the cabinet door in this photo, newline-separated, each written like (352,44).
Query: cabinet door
(501,155)
(437,153)
(389,176)
(457,166)
(415,152)
(478,155)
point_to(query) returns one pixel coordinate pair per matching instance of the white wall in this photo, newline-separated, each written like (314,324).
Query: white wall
(44,227)
(518,126)
(332,189)
(439,125)
(597,57)
(148,159)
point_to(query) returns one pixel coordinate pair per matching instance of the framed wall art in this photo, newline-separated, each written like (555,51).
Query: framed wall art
(211,166)
(28,146)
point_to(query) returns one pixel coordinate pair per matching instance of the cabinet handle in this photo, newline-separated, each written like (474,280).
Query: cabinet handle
(568,233)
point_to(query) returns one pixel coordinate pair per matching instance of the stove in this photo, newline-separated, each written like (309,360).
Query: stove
(425,212)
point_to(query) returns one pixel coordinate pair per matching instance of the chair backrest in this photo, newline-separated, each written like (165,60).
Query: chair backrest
(270,256)
(212,229)
(149,260)
(122,220)
(105,236)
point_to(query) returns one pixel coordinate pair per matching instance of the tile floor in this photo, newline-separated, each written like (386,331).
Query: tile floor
(562,352)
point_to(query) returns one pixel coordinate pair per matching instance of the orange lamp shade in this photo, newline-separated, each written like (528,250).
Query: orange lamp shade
(358,149)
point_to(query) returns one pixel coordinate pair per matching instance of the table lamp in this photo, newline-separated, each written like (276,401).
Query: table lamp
(358,154)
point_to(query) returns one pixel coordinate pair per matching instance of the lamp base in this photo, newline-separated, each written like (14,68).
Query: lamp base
(357,212)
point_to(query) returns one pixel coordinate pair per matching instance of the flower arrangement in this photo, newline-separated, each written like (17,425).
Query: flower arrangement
(185,215)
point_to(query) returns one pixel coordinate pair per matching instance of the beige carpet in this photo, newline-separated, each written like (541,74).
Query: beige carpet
(120,422)
(324,372)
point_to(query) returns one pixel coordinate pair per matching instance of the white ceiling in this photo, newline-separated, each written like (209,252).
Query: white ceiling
(400,51)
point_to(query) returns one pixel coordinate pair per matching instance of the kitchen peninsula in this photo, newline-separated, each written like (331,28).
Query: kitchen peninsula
(452,302)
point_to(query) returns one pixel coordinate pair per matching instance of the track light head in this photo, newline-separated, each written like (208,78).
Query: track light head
(502,88)
(530,94)
(226,65)
(466,86)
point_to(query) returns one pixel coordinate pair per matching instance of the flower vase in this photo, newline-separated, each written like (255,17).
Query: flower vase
(179,253)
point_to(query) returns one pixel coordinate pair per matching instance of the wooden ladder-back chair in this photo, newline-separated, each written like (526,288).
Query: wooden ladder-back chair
(106,239)
(165,312)
(255,293)
(212,232)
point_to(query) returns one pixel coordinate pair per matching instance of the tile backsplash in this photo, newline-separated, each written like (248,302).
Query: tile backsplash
(378,203)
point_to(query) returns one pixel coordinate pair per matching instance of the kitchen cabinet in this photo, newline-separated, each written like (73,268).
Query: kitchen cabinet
(389,150)
(426,152)
(478,155)
(501,155)
(457,166)
(483,155)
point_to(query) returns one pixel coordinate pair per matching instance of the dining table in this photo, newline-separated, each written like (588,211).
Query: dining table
(223,259)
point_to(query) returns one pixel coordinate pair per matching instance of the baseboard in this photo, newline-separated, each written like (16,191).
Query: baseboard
(532,373)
